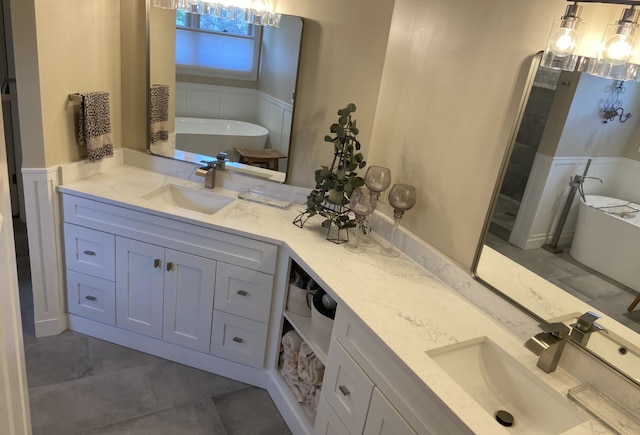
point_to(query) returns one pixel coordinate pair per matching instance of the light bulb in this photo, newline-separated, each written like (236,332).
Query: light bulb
(563,42)
(618,49)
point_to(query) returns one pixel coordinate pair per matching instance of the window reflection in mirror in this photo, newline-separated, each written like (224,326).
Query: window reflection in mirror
(560,131)
(228,86)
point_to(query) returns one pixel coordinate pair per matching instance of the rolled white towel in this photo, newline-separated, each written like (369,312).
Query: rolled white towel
(291,342)
(310,368)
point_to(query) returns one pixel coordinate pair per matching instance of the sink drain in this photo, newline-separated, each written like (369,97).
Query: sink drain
(504,418)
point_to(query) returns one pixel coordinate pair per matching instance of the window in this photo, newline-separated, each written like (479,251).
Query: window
(207,45)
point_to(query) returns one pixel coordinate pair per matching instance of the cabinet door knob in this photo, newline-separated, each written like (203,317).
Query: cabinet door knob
(88,252)
(238,339)
(157,263)
(91,298)
(169,266)
(344,390)
(242,292)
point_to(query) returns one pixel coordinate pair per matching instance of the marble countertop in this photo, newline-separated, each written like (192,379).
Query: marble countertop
(406,306)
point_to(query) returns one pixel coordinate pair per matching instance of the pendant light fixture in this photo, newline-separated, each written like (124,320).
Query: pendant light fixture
(564,38)
(617,47)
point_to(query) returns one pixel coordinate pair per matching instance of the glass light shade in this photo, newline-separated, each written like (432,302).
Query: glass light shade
(565,36)
(166,4)
(618,44)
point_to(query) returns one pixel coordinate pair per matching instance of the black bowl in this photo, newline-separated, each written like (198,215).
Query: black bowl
(317,303)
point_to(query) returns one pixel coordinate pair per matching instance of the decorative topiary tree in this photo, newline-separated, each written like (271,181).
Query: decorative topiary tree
(334,183)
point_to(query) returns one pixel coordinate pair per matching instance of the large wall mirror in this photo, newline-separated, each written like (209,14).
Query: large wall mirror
(564,227)
(222,86)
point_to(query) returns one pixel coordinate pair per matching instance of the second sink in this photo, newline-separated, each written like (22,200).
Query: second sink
(188,198)
(498,382)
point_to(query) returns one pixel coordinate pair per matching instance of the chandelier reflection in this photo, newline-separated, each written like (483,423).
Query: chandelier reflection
(611,108)
(256,12)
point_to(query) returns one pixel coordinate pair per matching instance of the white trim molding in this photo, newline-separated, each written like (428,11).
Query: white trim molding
(45,249)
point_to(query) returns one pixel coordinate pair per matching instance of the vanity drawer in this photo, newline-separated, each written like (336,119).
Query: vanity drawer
(243,292)
(89,251)
(327,421)
(91,297)
(238,339)
(347,389)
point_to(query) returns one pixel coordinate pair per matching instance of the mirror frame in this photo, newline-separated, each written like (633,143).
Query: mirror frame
(148,6)
(534,63)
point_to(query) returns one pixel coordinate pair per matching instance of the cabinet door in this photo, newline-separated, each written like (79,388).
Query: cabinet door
(384,419)
(139,286)
(188,300)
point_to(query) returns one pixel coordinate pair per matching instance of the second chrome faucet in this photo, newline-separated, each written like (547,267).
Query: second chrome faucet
(549,344)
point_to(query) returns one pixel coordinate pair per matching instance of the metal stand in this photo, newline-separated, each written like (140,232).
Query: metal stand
(575,185)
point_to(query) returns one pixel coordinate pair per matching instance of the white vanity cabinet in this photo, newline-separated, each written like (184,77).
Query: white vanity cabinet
(156,277)
(367,390)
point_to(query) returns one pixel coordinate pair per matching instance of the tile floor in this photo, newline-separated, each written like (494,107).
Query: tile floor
(81,385)
(603,293)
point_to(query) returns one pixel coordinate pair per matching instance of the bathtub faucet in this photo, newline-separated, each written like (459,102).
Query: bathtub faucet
(584,327)
(209,170)
(578,180)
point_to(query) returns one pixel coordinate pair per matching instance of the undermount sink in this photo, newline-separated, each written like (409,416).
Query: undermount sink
(188,198)
(498,382)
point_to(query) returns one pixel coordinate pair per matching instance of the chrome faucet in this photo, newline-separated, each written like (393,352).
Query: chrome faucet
(548,345)
(209,170)
(586,325)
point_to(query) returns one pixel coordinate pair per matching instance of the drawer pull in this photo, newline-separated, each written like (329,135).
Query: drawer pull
(91,298)
(238,339)
(242,293)
(88,252)
(157,263)
(169,266)
(344,390)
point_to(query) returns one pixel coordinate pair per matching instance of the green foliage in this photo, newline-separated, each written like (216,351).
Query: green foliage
(334,184)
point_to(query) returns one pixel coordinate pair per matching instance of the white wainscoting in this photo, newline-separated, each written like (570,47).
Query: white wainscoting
(239,104)
(547,192)
(45,249)
(44,227)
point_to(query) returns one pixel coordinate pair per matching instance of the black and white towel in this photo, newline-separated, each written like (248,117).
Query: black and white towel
(95,125)
(159,116)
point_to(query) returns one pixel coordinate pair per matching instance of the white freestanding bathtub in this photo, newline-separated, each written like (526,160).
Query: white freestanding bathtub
(607,238)
(211,136)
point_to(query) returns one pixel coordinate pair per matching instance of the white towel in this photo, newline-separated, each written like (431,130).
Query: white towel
(310,368)
(291,342)
(94,125)
(159,113)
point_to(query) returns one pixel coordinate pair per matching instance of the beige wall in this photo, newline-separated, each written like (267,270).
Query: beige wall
(446,106)
(163,54)
(78,51)
(134,74)
(279,58)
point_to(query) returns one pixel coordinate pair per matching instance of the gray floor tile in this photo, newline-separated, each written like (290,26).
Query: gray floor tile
(62,358)
(199,418)
(250,411)
(108,357)
(91,402)
(175,384)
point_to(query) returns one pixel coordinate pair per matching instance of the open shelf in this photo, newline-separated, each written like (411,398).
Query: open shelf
(317,341)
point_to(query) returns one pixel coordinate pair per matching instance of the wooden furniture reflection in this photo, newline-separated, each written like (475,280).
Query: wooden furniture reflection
(266,158)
